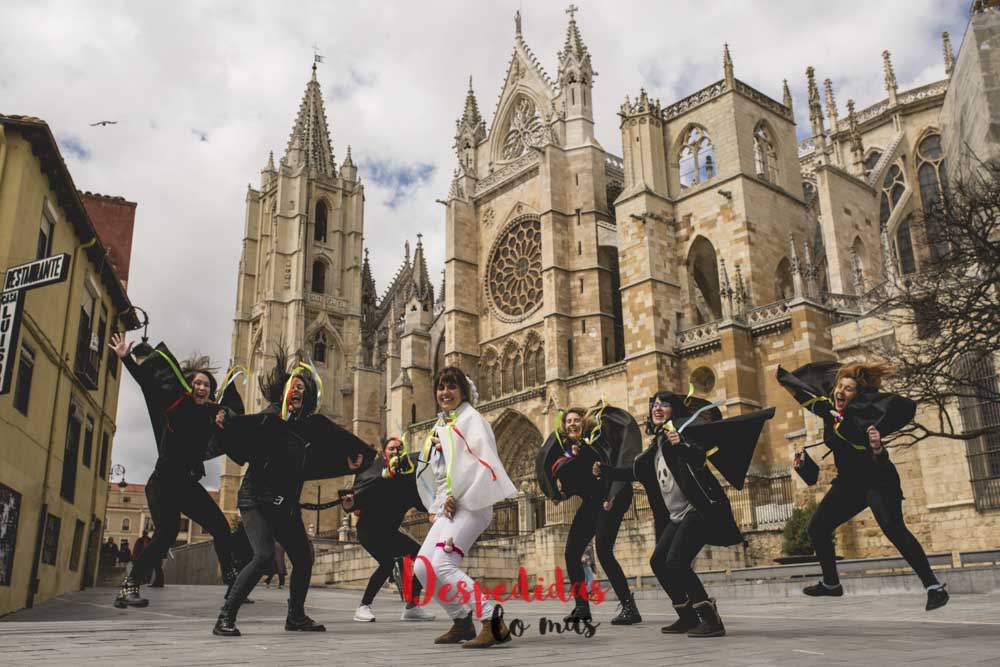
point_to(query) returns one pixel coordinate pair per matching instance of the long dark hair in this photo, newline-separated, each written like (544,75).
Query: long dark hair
(195,364)
(272,385)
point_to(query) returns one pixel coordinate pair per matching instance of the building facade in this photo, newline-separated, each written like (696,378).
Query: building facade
(57,419)
(719,245)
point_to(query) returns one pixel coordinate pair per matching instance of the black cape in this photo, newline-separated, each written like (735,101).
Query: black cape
(886,412)
(384,497)
(617,445)
(729,444)
(162,389)
(327,445)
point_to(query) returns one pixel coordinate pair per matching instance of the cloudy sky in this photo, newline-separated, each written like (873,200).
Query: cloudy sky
(201,91)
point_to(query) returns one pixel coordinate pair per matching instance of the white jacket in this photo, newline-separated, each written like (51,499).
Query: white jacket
(469,449)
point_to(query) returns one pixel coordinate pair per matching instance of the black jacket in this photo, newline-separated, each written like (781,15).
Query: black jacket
(384,501)
(687,464)
(182,428)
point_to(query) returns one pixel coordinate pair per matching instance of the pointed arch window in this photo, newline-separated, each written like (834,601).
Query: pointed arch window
(319,348)
(319,230)
(893,187)
(518,373)
(697,158)
(783,286)
(764,155)
(904,248)
(932,177)
(871,161)
(319,277)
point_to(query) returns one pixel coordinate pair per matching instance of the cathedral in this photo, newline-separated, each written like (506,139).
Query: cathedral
(709,247)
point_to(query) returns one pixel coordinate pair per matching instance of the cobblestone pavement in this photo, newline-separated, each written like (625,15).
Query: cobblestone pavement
(84,629)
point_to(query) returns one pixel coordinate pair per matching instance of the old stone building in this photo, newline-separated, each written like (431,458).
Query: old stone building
(718,246)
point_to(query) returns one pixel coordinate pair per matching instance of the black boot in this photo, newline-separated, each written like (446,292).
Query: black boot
(225,626)
(580,613)
(711,625)
(129,596)
(687,620)
(820,589)
(629,614)
(297,621)
(936,598)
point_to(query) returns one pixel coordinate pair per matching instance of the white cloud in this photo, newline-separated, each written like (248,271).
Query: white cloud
(394,81)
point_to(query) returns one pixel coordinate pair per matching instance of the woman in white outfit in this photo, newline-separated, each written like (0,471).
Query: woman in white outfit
(459,478)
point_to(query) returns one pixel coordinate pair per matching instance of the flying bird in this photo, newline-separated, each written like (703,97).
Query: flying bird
(104,122)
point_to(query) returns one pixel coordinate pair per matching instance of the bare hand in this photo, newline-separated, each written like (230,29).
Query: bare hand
(347,501)
(120,346)
(450,506)
(597,469)
(798,461)
(607,505)
(220,419)
(559,485)
(875,439)
(355,463)
(674,437)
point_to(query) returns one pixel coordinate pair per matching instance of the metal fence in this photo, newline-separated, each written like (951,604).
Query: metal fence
(765,501)
(505,522)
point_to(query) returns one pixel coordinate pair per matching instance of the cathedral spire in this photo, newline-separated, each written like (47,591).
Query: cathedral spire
(786,95)
(831,105)
(368,293)
(949,55)
(727,67)
(816,113)
(310,133)
(890,77)
(857,147)
(470,129)
(420,278)
(574,45)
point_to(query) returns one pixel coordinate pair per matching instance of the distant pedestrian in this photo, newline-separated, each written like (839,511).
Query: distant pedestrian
(588,569)
(124,553)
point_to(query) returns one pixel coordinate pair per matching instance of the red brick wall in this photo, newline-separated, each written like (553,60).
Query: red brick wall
(114,219)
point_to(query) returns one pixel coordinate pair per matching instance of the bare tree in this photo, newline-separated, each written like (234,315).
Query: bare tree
(947,312)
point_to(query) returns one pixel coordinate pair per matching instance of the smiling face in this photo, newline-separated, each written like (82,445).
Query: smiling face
(844,393)
(201,388)
(296,395)
(661,412)
(573,421)
(449,395)
(393,448)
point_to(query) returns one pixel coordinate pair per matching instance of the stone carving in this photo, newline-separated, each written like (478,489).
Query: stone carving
(701,97)
(514,276)
(489,215)
(526,130)
(507,171)
(763,100)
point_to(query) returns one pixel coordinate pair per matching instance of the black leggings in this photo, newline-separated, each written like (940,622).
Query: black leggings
(263,527)
(168,498)
(590,520)
(843,502)
(676,548)
(385,544)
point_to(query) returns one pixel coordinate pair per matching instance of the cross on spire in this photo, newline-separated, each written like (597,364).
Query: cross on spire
(572,10)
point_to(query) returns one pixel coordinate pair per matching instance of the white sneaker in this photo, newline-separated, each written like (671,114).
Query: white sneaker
(364,614)
(416,613)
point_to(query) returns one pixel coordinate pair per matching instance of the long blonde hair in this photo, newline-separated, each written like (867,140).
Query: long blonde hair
(586,427)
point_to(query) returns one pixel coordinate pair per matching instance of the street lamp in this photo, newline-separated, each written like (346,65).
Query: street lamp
(143,349)
(118,470)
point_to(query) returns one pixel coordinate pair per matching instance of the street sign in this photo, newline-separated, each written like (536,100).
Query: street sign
(18,280)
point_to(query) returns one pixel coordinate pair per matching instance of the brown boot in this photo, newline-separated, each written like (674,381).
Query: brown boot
(461,630)
(486,637)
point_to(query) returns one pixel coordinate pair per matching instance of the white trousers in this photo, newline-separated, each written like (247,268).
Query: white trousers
(464,529)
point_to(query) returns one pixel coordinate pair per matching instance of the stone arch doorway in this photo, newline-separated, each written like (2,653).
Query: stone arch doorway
(518,441)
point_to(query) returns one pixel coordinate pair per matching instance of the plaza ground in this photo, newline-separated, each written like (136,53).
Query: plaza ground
(85,629)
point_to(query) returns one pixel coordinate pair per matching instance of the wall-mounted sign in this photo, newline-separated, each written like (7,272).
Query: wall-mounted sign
(16,281)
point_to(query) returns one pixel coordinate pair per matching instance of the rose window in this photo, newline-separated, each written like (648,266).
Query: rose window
(514,280)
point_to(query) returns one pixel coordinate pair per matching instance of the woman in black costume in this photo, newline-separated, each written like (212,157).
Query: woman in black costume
(382,495)
(564,470)
(285,445)
(856,417)
(690,508)
(182,412)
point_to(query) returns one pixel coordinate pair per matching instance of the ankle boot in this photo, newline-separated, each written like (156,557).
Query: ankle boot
(128,595)
(629,614)
(687,619)
(461,629)
(487,638)
(298,621)
(711,624)
(225,626)
(581,612)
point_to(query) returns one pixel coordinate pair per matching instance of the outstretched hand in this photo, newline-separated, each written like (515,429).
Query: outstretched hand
(121,347)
